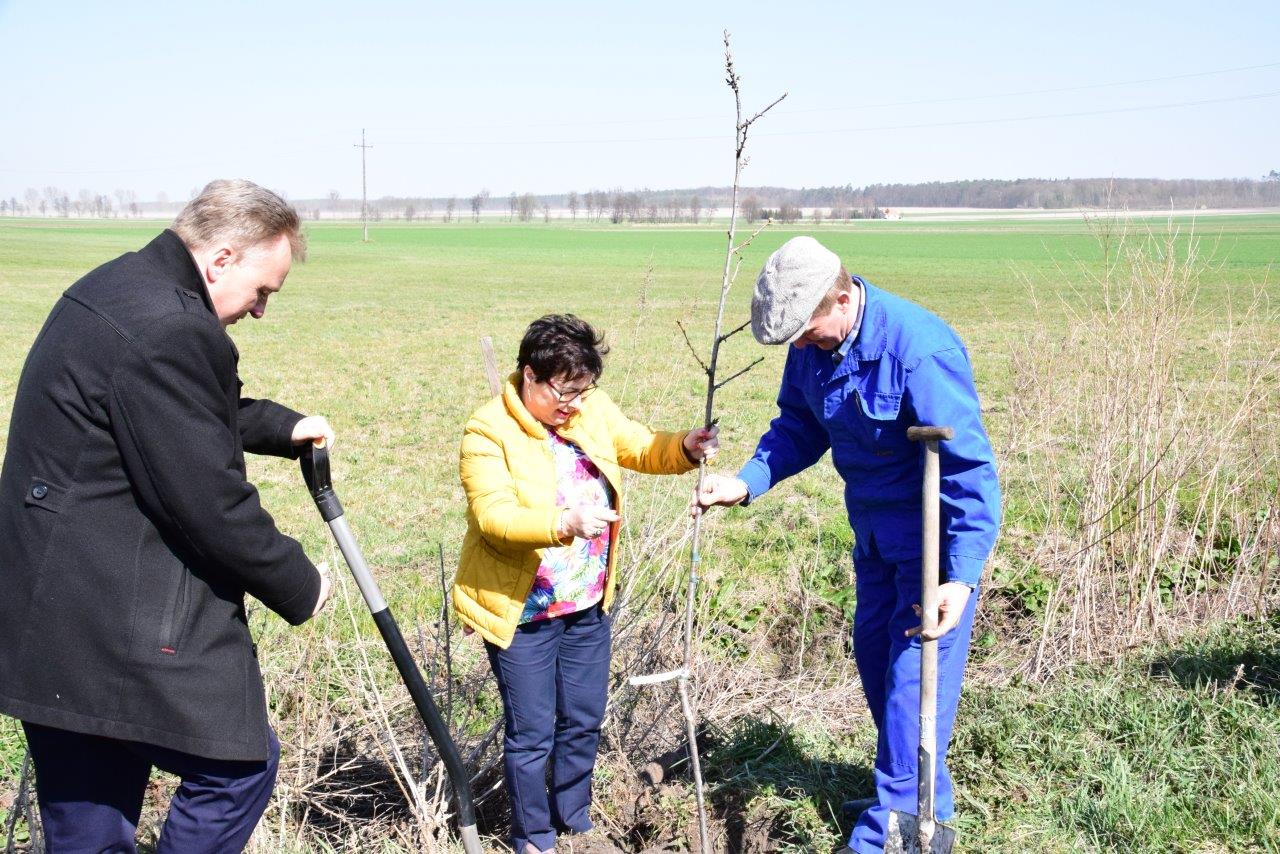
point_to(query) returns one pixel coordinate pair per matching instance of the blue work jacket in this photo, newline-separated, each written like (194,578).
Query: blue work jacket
(904,367)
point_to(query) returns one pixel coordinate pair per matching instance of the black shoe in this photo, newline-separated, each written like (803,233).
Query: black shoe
(855,808)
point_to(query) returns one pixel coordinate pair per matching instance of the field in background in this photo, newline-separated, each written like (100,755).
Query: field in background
(382,338)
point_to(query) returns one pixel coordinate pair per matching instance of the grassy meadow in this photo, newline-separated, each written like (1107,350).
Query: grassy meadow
(1152,724)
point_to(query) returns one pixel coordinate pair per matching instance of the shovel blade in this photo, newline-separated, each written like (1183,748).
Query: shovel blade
(904,836)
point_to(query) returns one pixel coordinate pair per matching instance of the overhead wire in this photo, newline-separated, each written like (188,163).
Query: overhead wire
(505,141)
(849,108)
(850,130)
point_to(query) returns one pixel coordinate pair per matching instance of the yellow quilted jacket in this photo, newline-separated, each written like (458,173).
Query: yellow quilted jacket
(510,479)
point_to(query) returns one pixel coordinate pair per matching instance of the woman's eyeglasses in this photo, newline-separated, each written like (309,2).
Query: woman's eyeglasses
(570,394)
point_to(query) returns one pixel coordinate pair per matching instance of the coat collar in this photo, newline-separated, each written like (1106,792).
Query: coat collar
(574,430)
(170,255)
(516,407)
(532,426)
(869,339)
(872,335)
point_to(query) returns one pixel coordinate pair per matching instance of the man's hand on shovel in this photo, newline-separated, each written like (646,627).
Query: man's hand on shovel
(952,597)
(312,428)
(326,588)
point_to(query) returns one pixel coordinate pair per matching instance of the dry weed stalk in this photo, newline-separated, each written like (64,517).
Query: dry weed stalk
(350,780)
(732,262)
(1155,469)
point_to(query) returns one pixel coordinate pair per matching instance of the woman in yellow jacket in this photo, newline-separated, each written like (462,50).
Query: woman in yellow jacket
(542,468)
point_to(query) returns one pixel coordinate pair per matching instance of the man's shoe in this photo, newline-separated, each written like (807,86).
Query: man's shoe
(855,808)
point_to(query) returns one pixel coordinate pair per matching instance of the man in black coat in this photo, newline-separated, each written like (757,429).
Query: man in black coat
(129,535)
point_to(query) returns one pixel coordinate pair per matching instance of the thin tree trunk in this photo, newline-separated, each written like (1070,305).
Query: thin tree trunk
(685,674)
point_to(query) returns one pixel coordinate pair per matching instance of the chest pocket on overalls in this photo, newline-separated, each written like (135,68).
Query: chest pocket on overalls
(875,415)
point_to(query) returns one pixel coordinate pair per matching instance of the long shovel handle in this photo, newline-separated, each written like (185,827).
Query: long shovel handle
(315,471)
(930,545)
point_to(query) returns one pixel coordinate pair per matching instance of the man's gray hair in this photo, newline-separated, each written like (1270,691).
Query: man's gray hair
(242,214)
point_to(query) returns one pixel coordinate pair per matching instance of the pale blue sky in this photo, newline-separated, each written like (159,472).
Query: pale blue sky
(553,96)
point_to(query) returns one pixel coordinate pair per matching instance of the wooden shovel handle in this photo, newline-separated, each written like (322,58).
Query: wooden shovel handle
(929,553)
(926,434)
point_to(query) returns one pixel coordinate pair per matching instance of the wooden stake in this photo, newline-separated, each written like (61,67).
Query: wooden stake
(491,366)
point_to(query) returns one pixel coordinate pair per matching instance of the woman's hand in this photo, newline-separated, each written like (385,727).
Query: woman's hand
(701,443)
(586,521)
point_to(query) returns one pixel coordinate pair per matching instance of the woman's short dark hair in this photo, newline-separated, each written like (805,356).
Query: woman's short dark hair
(562,345)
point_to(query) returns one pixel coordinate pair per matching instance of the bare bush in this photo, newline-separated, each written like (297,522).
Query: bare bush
(1141,444)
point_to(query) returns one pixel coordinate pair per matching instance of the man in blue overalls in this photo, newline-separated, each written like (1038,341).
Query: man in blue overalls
(863,366)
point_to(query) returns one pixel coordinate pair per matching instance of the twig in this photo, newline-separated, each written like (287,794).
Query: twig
(425,765)
(18,807)
(448,650)
(484,743)
(749,122)
(658,678)
(693,349)
(724,383)
(728,335)
(744,244)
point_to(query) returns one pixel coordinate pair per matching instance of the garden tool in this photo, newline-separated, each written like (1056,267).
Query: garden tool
(921,833)
(315,470)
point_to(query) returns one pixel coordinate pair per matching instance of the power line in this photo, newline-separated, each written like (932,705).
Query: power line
(868,129)
(711,137)
(1052,91)
(1031,118)
(849,108)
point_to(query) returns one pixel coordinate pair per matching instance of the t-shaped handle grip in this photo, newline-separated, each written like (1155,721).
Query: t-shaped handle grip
(930,434)
(314,461)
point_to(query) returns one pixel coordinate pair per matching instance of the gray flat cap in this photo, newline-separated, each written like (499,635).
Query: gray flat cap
(791,284)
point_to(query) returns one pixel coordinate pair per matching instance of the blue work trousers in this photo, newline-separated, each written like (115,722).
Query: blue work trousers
(554,681)
(90,790)
(889,665)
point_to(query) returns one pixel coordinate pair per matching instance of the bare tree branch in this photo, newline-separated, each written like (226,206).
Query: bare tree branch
(692,349)
(749,122)
(728,335)
(724,383)
(744,244)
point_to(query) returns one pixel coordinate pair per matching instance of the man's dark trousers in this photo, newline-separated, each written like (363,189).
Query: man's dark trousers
(91,789)
(554,681)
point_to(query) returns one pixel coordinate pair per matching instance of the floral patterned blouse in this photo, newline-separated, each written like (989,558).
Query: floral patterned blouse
(571,578)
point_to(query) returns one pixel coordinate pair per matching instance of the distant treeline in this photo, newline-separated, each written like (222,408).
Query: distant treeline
(990,193)
(845,202)
(1044,193)
(701,203)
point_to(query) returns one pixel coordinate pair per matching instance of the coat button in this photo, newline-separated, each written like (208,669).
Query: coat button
(39,491)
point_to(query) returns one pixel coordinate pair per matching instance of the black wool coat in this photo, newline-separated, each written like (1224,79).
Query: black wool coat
(129,534)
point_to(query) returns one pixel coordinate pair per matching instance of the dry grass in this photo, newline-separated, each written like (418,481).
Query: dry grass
(1137,433)
(1146,451)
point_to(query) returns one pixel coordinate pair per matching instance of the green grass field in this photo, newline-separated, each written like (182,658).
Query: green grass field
(383,339)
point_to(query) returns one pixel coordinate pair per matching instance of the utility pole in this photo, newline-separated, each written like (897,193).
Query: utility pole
(364,186)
